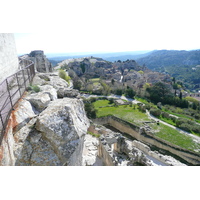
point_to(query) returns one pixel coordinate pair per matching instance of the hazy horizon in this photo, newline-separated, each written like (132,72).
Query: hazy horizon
(107,26)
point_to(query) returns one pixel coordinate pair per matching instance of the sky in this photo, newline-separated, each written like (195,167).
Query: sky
(106,25)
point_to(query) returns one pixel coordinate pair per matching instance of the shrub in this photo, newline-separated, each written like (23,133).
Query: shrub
(155,112)
(94,134)
(173,118)
(141,108)
(90,110)
(34,88)
(111,101)
(186,127)
(180,121)
(165,115)
(63,75)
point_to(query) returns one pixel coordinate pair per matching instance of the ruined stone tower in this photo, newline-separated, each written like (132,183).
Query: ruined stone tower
(42,64)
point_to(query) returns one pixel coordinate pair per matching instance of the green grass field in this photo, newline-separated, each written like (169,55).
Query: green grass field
(136,117)
(124,112)
(173,136)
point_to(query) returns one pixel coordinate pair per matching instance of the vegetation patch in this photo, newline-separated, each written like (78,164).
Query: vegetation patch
(173,136)
(135,116)
(34,88)
(94,134)
(125,112)
(62,74)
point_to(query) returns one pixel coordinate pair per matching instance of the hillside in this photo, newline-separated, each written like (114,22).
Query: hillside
(183,65)
(95,74)
(110,56)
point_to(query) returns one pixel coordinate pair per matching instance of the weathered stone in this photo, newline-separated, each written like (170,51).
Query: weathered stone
(20,137)
(58,82)
(37,152)
(38,81)
(42,64)
(50,90)
(90,150)
(39,100)
(22,114)
(65,92)
(64,125)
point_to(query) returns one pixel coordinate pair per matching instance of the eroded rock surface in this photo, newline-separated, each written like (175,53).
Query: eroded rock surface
(63,124)
(45,130)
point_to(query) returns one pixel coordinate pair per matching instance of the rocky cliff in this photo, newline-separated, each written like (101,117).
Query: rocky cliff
(45,130)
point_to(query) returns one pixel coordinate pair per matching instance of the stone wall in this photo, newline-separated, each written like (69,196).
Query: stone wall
(148,138)
(8,55)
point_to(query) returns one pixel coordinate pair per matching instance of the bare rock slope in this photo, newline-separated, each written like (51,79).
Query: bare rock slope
(44,130)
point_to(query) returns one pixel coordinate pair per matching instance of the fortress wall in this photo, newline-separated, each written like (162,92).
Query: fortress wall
(8,55)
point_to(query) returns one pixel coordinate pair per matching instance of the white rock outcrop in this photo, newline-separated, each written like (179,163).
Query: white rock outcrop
(90,150)
(40,100)
(44,130)
(64,124)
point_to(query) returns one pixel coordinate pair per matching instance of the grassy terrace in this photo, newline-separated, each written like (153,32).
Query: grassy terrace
(133,115)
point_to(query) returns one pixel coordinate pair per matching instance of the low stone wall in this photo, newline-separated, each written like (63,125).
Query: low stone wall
(146,137)
(104,155)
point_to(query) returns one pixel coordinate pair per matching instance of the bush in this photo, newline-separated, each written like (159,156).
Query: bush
(155,112)
(62,74)
(165,115)
(90,110)
(130,93)
(34,88)
(111,101)
(141,108)
(173,118)
(180,121)
(186,127)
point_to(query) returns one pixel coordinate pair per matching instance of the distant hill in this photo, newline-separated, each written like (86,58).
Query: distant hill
(113,56)
(183,65)
(165,58)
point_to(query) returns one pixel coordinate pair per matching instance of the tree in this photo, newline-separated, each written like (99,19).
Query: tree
(77,83)
(90,110)
(130,92)
(113,81)
(180,95)
(159,92)
(106,88)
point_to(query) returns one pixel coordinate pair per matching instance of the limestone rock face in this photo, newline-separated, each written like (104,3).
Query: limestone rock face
(63,92)
(42,64)
(90,150)
(49,81)
(39,100)
(37,151)
(64,125)
(22,118)
(22,114)
(50,90)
